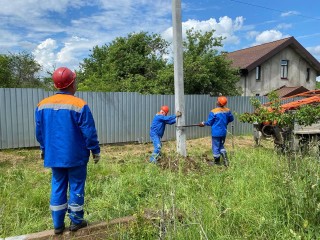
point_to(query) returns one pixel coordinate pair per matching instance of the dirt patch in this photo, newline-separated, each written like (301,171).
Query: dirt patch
(201,154)
(188,164)
(10,157)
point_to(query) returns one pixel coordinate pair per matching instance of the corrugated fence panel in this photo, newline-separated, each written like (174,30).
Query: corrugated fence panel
(239,105)
(119,117)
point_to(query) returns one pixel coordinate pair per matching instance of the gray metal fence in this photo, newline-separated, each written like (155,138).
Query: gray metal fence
(119,117)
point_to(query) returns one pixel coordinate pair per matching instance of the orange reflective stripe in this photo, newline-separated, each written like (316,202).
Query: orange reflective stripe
(63,99)
(218,110)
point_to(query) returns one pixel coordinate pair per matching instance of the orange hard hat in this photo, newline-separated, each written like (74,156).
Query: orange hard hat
(222,100)
(63,77)
(165,109)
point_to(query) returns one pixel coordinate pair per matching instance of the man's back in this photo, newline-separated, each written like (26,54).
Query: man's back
(65,129)
(218,119)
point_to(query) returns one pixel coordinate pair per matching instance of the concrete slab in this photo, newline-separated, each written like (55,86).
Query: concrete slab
(92,232)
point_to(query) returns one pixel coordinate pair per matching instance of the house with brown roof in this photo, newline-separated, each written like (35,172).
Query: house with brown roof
(270,66)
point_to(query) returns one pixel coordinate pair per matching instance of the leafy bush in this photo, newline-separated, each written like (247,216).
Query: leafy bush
(272,113)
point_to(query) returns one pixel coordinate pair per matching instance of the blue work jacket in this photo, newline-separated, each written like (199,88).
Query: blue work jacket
(159,122)
(66,131)
(218,119)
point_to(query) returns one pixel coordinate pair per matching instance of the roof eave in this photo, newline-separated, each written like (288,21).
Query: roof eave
(270,54)
(297,46)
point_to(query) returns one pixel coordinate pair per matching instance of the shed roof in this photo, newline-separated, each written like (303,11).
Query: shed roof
(285,91)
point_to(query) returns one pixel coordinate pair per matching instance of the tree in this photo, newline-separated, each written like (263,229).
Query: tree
(47,82)
(129,63)
(5,73)
(19,70)
(206,71)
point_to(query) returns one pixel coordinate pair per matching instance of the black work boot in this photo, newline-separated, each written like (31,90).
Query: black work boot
(74,227)
(217,160)
(59,230)
(225,159)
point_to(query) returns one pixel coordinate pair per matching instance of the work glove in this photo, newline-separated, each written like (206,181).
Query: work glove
(96,157)
(201,124)
(178,114)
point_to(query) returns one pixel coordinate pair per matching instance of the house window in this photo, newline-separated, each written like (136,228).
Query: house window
(284,69)
(308,75)
(258,73)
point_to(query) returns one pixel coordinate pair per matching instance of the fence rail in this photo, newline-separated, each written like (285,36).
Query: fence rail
(119,117)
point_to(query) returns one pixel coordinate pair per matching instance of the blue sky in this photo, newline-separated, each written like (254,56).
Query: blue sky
(62,32)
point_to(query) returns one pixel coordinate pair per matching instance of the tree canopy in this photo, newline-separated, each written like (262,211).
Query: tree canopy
(129,64)
(19,70)
(206,71)
(140,63)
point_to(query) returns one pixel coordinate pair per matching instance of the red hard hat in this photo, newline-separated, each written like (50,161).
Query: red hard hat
(222,101)
(165,109)
(63,77)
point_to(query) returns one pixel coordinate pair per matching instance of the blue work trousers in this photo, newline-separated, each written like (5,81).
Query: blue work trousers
(218,146)
(62,178)
(156,140)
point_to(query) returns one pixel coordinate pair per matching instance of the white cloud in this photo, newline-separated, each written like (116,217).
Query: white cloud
(49,55)
(7,40)
(45,55)
(269,36)
(251,34)
(315,51)
(31,8)
(314,35)
(72,49)
(284,26)
(127,6)
(225,27)
(289,13)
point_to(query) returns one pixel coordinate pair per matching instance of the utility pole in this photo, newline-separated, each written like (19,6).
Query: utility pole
(178,75)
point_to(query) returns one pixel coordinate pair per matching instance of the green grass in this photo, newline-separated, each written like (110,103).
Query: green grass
(261,195)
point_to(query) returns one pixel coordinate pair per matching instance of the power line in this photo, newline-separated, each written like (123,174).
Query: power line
(272,9)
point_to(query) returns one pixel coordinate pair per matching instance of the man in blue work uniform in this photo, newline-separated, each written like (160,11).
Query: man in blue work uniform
(157,128)
(218,119)
(66,132)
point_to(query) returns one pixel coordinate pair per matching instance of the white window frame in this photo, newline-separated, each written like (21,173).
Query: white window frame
(284,69)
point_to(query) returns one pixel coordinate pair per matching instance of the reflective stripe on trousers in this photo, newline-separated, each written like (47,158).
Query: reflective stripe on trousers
(59,207)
